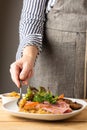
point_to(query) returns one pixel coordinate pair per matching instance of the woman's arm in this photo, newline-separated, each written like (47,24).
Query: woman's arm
(31,25)
(31,34)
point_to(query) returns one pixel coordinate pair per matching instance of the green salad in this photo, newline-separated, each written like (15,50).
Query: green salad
(40,95)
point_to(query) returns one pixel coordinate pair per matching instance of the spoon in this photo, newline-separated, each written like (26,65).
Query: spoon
(20,95)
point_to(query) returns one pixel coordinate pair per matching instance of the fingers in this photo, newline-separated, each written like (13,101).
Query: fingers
(15,71)
(21,71)
(24,72)
(25,76)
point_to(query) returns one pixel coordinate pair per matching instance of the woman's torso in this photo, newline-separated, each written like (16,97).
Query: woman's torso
(60,66)
(70,15)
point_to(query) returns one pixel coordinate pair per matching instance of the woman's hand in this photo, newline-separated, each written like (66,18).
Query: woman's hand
(22,69)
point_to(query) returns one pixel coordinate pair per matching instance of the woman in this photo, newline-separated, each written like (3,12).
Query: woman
(58,65)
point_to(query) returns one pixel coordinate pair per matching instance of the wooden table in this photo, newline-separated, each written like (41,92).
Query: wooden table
(9,122)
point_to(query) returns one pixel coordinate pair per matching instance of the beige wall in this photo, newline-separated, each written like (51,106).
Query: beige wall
(9,20)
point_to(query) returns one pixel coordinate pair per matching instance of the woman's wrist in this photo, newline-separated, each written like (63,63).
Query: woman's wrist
(30,52)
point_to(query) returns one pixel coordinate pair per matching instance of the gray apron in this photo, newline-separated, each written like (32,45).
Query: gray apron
(60,66)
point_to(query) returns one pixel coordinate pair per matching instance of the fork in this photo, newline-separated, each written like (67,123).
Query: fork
(20,94)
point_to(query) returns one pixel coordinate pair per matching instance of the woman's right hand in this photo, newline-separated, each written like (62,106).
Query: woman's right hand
(22,69)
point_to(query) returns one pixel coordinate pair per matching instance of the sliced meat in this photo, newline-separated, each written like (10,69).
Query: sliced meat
(59,108)
(73,105)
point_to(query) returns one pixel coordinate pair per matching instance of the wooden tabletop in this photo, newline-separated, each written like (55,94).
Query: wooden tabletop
(9,122)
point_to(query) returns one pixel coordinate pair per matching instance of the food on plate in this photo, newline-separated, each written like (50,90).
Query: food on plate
(42,101)
(13,94)
(73,105)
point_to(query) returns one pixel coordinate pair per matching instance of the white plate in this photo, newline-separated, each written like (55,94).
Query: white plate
(13,109)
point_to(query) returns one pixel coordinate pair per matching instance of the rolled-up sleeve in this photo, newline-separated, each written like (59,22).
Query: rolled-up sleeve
(31,25)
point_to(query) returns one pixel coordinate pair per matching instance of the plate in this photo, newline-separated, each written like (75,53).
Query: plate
(13,109)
